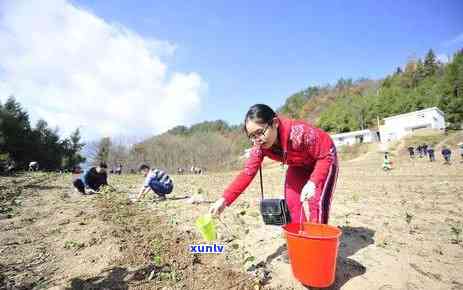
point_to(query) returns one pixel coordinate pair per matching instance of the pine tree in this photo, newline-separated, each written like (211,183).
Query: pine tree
(72,148)
(430,64)
(104,147)
(419,74)
(15,129)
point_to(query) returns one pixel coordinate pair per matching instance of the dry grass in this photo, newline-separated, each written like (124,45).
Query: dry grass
(353,151)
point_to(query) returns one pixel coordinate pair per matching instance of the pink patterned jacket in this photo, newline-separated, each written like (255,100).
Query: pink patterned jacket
(302,145)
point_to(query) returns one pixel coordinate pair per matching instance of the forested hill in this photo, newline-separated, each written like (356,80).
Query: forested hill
(355,105)
(310,103)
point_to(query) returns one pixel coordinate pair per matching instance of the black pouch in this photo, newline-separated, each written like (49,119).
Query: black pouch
(274,211)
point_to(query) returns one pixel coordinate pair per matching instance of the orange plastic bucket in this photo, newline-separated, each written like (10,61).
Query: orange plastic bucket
(313,252)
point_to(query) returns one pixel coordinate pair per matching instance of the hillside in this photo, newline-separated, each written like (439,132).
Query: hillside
(349,106)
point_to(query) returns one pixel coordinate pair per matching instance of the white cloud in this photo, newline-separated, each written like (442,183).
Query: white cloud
(73,69)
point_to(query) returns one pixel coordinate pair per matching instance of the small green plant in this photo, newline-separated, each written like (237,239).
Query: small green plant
(73,245)
(156,260)
(249,259)
(173,220)
(408,217)
(156,248)
(456,231)
(383,243)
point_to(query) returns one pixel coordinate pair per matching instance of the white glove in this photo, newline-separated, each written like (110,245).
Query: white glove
(217,208)
(307,191)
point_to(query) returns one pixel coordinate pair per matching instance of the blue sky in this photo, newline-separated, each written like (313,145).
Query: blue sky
(263,51)
(142,67)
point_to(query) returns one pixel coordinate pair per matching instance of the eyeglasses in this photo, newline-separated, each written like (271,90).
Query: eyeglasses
(258,133)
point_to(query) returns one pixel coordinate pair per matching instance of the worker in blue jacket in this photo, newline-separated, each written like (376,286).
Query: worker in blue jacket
(92,179)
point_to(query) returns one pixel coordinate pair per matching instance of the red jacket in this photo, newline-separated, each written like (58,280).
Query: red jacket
(302,144)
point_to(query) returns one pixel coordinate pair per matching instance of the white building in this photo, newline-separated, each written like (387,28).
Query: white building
(355,137)
(398,126)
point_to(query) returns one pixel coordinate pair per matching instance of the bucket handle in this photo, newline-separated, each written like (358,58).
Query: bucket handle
(301,224)
(226,226)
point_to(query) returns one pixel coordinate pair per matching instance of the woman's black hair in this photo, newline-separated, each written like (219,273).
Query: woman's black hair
(259,113)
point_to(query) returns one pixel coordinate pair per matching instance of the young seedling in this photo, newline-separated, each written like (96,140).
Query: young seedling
(73,245)
(383,243)
(408,217)
(156,252)
(456,231)
(249,259)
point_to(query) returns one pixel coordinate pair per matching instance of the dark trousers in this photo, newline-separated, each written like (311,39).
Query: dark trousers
(431,156)
(79,184)
(447,158)
(160,188)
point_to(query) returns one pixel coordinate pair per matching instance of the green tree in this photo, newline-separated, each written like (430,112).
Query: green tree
(49,152)
(430,64)
(15,130)
(295,103)
(104,148)
(72,148)
(452,91)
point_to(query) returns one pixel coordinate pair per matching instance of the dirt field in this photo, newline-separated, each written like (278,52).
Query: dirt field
(402,229)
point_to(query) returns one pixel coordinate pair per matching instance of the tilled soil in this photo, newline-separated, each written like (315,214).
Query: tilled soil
(402,229)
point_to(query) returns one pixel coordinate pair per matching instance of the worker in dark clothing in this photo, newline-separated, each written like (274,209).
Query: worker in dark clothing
(431,154)
(92,179)
(411,152)
(446,153)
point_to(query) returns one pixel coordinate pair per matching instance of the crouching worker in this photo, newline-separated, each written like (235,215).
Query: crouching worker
(387,164)
(92,179)
(156,180)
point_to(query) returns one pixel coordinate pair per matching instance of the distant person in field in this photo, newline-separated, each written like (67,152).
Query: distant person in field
(420,151)
(411,152)
(156,180)
(10,167)
(118,169)
(386,162)
(446,153)
(309,153)
(425,149)
(431,154)
(33,166)
(460,147)
(92,179)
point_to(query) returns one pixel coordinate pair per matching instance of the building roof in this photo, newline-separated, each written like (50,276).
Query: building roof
(416,112)
(353,133)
